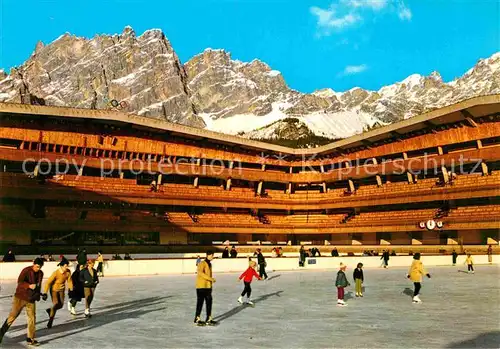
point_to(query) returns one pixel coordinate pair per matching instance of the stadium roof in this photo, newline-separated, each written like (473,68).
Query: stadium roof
(467,110)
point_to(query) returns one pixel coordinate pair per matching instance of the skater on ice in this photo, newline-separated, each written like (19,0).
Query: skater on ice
(204,282)
(100,264)
(77,293)
(56,285)
(469,262)
(247,277)
(89,279)
(28,291)
(341,283)
(454,256)
(358,279)
(416,274)
(262,263)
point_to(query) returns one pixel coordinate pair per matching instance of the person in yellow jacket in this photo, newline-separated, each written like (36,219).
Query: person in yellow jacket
(100,264)
(415,274)
(56,284)
(204,281)
(469,262)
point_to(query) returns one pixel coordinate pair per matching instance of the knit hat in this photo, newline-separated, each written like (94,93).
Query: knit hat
(416,255)
(64,261)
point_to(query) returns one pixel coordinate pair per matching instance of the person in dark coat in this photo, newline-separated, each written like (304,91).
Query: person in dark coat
(9,256)
(454,256)
(335,253)
(262,263)
(89,279)
(341,283)
(302,256)
(225,253)
(385,257)
(77,293)
(233,252)
(81,258)
(358,279)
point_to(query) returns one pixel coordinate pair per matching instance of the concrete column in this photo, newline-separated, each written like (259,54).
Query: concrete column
(289,190)
(379,180)
(121,175)
(410,177)
(291,170)
(405,156)
(198,162)
(231,164)
(195,182)
(263,167)
(440,150)
(228,184)
(484,168)
(351,186)
(324,187)
(259,188)
(446,178)
(80,171)
(374,160)
(158,181)
(479,144)
(322,168)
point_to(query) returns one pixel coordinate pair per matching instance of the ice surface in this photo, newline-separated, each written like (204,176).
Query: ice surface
(292,310)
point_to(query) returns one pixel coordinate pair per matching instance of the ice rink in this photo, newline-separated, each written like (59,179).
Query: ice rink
(292,310)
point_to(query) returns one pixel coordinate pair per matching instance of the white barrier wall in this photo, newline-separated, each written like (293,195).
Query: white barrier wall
(10,271)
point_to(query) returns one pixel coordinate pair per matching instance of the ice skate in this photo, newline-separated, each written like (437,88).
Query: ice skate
(198,322)
(240,299)
(357,294)
(211,322)
(250,303)
(32,342)
(69,305)
(72,310)
(87,313)
(416,299)
(361,295)
(341,303)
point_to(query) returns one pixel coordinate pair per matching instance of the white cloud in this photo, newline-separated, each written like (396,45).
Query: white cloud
(354,69)
(344,14)
(328,19)
(373,4)
(404,12)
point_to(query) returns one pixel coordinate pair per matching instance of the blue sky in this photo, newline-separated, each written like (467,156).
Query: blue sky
(314,43)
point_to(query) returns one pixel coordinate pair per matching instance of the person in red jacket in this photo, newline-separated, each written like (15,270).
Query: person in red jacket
(28,291)
(247,277)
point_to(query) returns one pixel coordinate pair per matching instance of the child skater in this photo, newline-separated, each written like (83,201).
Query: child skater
(469,262)
(358,279)
(247,277)
(341,282)
(56,284)
(415,274)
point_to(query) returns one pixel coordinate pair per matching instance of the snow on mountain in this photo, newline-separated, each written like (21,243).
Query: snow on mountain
(216,92)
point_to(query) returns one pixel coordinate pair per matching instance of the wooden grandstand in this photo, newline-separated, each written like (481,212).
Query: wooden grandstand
(432,180)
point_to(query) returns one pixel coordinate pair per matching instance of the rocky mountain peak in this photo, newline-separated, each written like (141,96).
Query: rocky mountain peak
(215,91)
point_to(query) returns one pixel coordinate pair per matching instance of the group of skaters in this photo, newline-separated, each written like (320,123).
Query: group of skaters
(84,280)
(81,284)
